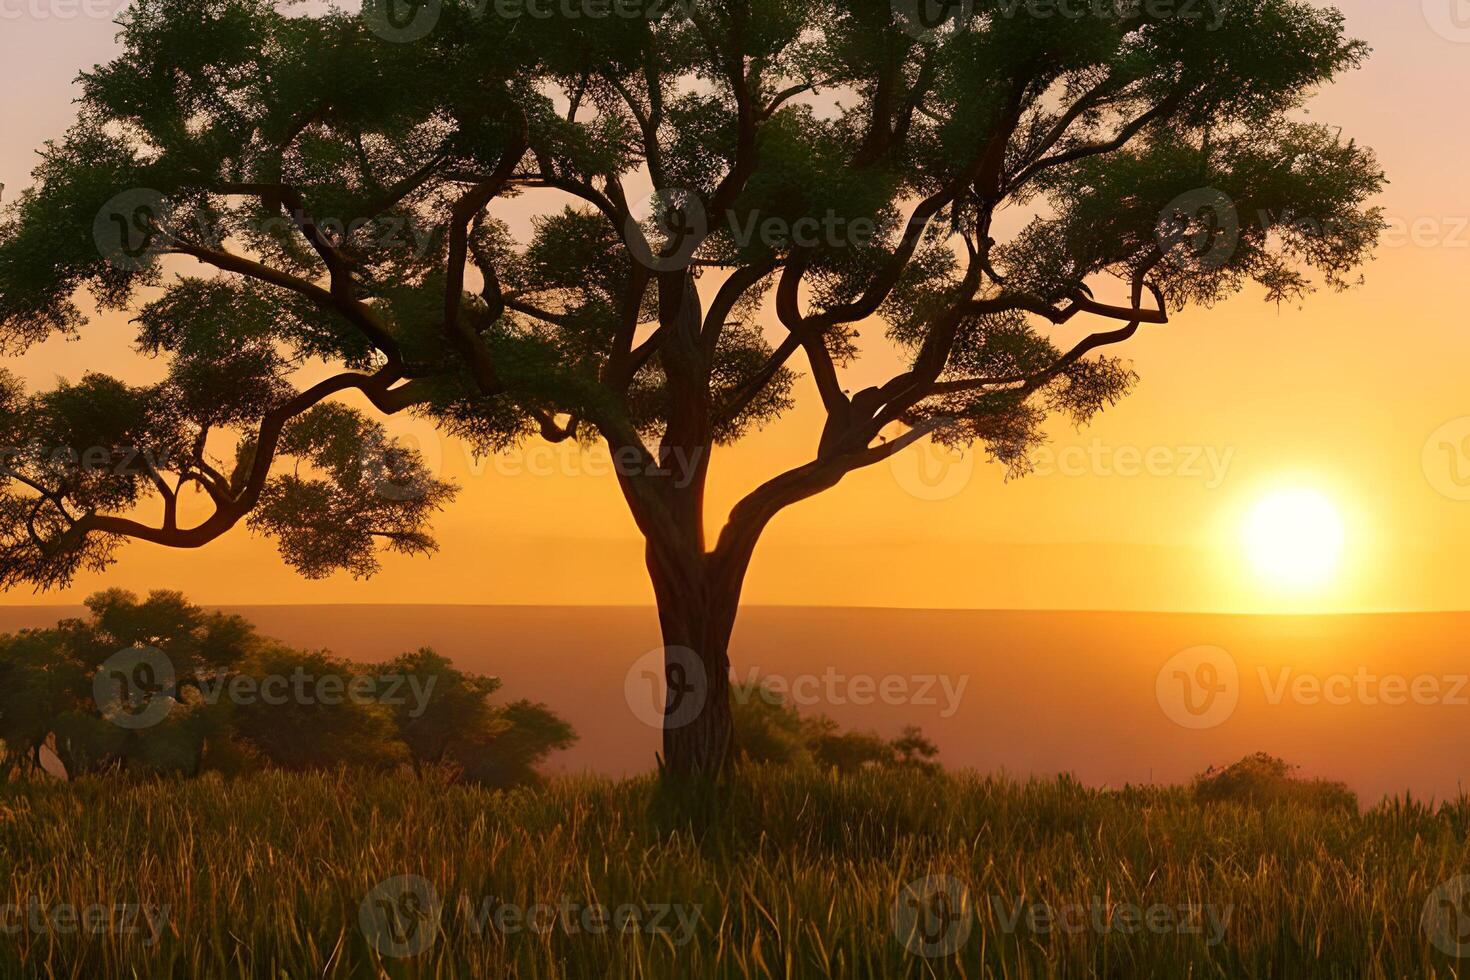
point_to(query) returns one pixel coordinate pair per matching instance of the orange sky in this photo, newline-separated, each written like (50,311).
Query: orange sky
(1342,396)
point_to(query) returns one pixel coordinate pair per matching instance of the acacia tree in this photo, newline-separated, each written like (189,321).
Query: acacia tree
(307,217)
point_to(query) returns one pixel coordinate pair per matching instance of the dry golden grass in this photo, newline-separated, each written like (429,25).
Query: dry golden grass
(792,875)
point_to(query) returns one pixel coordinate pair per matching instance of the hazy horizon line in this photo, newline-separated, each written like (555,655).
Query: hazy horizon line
(817,607)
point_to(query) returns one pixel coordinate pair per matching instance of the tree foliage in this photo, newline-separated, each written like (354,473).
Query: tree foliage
(268,192)
(237,701)
(769,730)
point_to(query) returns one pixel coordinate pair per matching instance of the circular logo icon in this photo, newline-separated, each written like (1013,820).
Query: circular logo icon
(1446,459)
(666,228)
(926,19)
(1199,230)
(1199,688)
(134,688)
(932,917)
(1446,917)
(400,917)
(401,467)
(931,471)
(1450,19)
(402,21)
(666,687)
(131,228)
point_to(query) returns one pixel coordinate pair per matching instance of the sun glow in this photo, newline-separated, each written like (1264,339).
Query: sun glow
(1294,538)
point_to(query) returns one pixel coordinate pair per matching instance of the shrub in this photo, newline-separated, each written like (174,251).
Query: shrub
(769,730)
(1262,779)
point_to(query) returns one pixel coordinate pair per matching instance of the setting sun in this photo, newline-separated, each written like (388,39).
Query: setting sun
(1294,538)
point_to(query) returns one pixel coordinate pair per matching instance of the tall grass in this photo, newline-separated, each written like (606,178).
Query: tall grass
(791,875)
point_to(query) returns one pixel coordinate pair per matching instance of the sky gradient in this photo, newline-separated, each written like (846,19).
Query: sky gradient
(1360,395)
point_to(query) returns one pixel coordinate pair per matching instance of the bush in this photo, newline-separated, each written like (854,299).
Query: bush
(440,716)
(770,731)
(1262,779)
(316,732)
(482,742)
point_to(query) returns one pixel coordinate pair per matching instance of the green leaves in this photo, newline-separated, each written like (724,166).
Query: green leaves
(361,489)
(295,186)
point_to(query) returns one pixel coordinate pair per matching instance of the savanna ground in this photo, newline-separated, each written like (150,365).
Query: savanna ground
(795,874)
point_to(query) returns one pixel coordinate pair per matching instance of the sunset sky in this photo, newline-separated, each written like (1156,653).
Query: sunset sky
(1355,397)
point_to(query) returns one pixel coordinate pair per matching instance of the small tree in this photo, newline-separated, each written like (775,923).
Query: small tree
(484,742)
(271,190)
(49,683)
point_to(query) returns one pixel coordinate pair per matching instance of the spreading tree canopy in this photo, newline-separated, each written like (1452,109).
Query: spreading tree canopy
(307,217)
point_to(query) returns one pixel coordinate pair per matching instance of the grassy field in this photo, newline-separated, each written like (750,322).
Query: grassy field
(792,875)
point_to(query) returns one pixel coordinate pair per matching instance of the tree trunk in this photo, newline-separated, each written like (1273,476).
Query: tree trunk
(697,617)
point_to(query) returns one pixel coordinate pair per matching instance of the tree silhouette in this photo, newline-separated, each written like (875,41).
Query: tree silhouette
(268,193)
